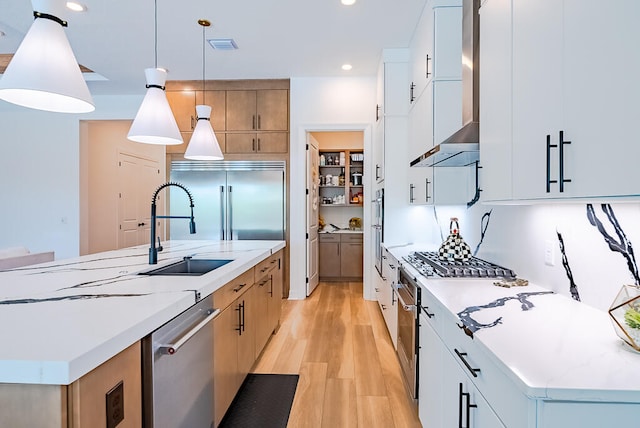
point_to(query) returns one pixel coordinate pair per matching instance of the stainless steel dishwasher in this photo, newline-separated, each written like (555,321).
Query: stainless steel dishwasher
(178,370)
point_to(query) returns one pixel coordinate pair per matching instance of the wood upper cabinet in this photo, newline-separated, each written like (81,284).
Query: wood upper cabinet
(257,142)
(258,110)
(183,105)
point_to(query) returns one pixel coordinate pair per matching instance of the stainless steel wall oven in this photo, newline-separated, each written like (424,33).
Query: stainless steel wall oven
(408,292)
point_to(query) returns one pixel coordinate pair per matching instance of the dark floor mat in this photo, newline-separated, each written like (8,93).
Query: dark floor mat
(264,400)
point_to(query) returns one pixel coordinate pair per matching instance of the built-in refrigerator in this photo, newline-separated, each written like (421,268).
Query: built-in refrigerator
(233,200)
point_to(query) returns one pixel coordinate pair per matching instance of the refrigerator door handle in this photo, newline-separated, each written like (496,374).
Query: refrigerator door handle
(222,219)
(230,214)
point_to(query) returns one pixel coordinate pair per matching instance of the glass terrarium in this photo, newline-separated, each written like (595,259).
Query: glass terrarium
(625,314)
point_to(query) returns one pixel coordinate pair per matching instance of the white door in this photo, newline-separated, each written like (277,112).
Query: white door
(138,179)
(312,215)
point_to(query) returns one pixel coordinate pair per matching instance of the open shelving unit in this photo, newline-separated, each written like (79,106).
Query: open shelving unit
(352,189)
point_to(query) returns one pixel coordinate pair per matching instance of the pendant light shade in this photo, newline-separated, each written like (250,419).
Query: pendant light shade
(154,123)
(203,144)
(44,73)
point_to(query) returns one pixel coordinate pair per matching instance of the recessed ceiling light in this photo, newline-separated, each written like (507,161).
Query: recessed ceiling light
(346,67)
(76,7)
(348,2)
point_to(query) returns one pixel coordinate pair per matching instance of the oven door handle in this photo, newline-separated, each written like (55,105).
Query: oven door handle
(408,308)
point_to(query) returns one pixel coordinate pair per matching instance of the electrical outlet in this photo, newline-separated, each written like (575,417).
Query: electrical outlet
(115,405)
(549,253)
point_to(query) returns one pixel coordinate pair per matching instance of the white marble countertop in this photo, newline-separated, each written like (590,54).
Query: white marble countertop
(341,231)
(62,319)
(559,349)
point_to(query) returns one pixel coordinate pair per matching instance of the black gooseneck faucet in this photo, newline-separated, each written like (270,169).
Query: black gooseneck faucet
(153,250)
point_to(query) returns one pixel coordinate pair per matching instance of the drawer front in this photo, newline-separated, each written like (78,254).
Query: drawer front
(492,383)
(329,237)
(226,294)
(264,267)
(351,237)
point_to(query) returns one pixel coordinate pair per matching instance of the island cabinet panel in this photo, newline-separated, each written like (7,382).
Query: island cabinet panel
(225,357)
(17,403)
(81,404)
(268,299)
(120,376)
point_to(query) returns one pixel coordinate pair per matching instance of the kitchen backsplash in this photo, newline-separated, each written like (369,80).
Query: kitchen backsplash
(589,245)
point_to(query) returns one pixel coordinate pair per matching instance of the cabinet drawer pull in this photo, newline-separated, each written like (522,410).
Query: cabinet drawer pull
(461,355)
(239,287)
(377,290)
(384,307)
(425,309)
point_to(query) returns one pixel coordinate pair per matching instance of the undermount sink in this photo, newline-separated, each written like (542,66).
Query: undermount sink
(188,267)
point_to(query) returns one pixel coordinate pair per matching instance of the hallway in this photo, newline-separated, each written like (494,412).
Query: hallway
(349,373)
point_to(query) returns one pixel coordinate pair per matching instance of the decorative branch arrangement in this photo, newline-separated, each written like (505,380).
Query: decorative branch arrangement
(573,288)
(622,245)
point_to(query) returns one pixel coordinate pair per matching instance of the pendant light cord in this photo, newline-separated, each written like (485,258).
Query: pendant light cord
(204,93)
(155,31)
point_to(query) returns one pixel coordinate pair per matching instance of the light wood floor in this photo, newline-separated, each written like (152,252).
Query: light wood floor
(349,373)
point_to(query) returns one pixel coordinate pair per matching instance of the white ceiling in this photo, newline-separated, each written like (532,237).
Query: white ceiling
(276,38)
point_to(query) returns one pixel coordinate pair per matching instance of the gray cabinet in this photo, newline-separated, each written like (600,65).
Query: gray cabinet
(341,256)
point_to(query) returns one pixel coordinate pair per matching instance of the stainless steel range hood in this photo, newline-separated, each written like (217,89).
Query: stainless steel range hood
(462,148)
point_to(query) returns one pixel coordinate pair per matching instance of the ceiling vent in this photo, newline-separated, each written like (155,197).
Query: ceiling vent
(223,44)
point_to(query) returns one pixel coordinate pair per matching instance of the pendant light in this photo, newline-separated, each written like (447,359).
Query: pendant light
(154,123)
(44,73)
(203,144)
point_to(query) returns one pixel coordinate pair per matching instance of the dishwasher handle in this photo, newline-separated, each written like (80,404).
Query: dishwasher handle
(172,348)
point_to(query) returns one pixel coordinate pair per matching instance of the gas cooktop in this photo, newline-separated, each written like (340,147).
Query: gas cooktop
(429,264)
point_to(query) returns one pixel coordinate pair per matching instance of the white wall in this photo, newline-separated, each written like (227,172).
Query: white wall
(323,104)
(39,169)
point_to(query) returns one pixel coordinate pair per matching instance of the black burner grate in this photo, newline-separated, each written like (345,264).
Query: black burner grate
(474,267)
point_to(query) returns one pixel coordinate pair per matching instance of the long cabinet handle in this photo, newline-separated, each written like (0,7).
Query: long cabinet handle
(411,198)
(464,396)
(549,147)
(253,122)
(427,64)
(172,348)
(426,189)
(222,217)
(561,144)
(474,372)
(239,309)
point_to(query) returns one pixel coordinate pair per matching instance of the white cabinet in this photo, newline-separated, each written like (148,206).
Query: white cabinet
(392,94)
(436,109)
(463,404)
(568,83)
(435,47)
(388,301)
(430,357)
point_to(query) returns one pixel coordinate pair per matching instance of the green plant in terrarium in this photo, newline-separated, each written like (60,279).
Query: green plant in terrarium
(632,317)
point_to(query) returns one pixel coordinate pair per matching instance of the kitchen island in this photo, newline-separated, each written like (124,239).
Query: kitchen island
(63,319)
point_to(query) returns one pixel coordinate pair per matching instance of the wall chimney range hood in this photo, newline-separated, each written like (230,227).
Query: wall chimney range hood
(462,148)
